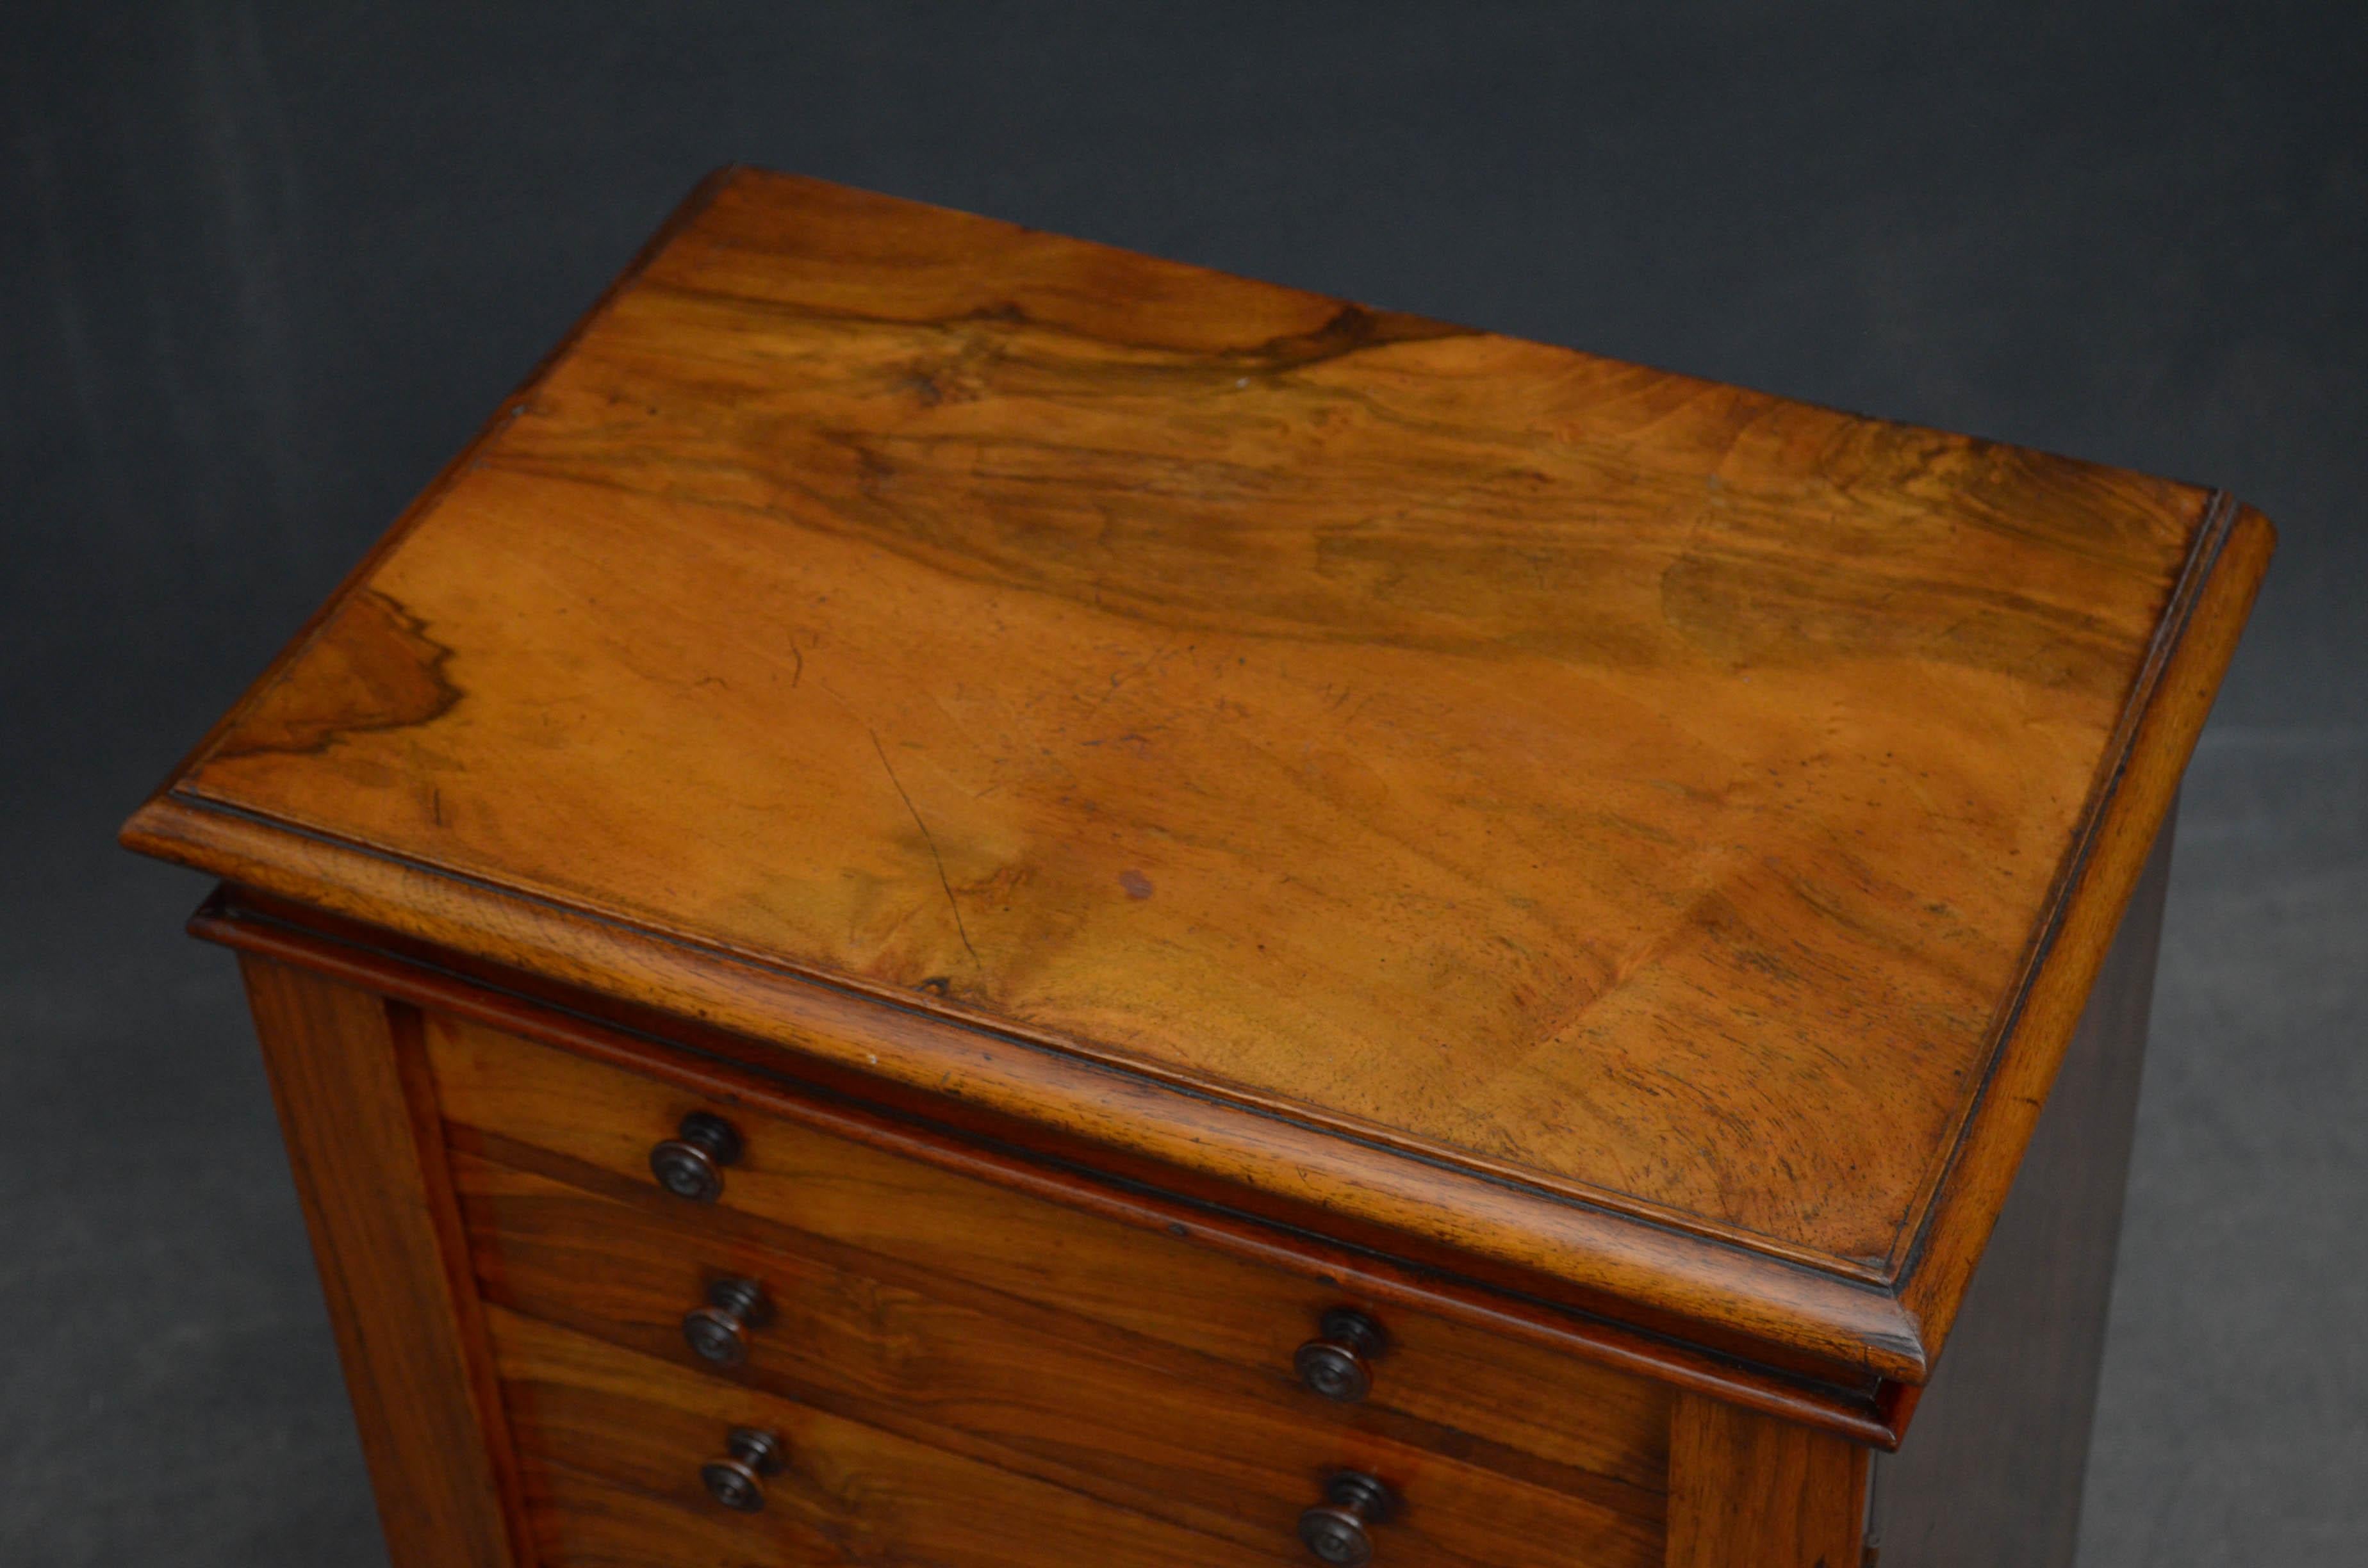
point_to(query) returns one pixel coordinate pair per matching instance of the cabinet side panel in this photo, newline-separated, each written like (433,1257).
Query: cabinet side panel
(1749,1491)
(377,1198)
(1991,1470)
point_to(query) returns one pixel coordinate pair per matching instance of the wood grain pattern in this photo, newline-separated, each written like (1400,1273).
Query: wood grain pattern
(1039,1392)
(1992,1471)
(640,1430)
(371,1173)
(1617,828)
(892,1219)
(1749,1491)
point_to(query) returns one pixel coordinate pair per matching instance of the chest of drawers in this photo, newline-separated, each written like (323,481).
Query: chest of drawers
(966,899)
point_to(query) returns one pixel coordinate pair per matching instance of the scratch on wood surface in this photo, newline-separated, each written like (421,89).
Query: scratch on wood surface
(931,840)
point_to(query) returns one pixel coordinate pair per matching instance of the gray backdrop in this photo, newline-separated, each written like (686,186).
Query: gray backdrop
(266,266)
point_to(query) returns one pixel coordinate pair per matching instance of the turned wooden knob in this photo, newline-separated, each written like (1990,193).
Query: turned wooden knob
(738,1482)
(1337,1363)
(1337,1529)
(690,1164)
(718,1331)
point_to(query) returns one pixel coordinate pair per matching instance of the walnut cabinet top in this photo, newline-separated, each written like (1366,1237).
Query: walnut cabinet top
(1632,840)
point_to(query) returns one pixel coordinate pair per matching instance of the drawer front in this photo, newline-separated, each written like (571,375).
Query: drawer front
(613,1447)
(1150,1427)
(1441,1384)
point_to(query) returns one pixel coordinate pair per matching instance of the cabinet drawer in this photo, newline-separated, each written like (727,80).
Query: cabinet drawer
(1444,1385)
(1160,1430)
(613,1444)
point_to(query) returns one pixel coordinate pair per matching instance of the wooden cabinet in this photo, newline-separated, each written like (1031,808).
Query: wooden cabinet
(966,899)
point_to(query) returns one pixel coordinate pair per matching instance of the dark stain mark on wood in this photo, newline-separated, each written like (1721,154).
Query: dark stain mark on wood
(372,667)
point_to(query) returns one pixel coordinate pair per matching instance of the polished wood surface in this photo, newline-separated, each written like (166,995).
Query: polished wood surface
(364,1143)
(867,1226)
(1748,1491)
(1992,1471)
(638,1430)
(1632,831)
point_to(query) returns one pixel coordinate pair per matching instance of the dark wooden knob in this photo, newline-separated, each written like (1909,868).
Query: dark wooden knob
(738,1482)
(718,1331)
(1338,1529)
(690,1164)
(1338,1363)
